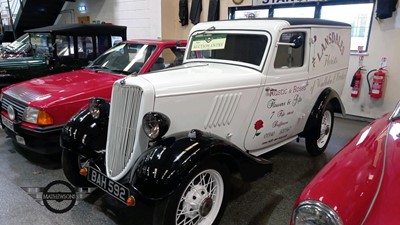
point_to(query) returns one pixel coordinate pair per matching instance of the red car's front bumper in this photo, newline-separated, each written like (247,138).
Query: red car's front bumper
(43,140)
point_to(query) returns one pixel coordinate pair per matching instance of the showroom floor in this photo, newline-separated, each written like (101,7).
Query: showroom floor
(267,201)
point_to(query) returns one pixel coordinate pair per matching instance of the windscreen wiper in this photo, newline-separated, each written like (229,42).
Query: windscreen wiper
(98,67)
(121,71)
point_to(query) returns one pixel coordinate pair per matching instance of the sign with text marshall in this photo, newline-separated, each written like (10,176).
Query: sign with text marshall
(281,2)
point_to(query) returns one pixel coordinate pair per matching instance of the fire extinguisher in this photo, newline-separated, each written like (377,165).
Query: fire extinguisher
(356,83)
(376,89)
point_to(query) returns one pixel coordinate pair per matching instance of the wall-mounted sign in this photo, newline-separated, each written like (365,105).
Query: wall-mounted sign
(281,2)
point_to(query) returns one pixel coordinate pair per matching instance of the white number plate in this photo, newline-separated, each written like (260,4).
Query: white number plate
(8,123)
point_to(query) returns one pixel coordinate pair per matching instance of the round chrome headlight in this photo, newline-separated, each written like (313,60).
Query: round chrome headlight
(314,212)
(11,112)
(155,125)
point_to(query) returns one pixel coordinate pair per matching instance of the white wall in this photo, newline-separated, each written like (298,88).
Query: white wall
(172,29)
(142,17)
(384,41)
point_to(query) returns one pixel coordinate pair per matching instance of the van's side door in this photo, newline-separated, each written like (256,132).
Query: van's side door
(279,113)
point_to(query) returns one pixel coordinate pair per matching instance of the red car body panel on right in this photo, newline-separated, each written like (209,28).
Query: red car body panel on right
(361,182)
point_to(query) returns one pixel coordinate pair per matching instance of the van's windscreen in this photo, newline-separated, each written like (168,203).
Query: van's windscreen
(234,47)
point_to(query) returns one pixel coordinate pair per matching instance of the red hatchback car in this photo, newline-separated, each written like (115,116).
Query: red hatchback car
(360,185)
(33,112)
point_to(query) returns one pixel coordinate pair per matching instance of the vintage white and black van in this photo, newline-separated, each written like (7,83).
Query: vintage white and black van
(245,88)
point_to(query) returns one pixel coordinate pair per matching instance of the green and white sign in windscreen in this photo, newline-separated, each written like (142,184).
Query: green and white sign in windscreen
(208,42)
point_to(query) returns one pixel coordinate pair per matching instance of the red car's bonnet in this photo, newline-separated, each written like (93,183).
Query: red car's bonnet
(349,182)
(59,94)
(43,92)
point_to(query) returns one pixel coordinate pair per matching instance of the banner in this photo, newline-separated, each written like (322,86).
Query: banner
(281,2)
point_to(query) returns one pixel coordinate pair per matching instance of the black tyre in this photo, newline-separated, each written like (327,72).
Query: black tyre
(71,164)
(201,199)
(317,145)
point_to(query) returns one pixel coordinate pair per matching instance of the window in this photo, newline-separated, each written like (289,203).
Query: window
(247,14)
(300,12)
(358,13)
(103,44)
(289,56)
(85,47)
(41,42)
(233,47)
(65,46)
(115,40)
(172,56)
(126,57)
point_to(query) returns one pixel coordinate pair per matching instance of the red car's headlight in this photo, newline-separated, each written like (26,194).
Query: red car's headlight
(36,116)
(314,212)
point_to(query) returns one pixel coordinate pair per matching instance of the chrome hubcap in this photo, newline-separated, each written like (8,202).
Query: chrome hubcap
(194,201)
(326,125)
(205,207)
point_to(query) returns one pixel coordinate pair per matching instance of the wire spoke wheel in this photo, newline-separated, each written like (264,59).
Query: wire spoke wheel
(316,144)
(201,200)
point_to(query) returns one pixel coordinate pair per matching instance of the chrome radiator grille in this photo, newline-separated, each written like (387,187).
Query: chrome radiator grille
(18,107)
(122,127)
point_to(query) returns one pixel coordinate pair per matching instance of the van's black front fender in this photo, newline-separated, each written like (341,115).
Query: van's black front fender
(84,134)
(161,169)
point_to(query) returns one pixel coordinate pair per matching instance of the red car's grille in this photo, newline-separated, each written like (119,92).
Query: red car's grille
(18,106)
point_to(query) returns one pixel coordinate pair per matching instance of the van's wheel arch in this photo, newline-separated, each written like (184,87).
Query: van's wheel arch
(316,144)
(207,186)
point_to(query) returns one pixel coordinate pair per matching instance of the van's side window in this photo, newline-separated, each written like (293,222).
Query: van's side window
(290,50)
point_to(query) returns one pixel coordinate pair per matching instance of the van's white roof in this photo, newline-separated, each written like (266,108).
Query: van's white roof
(268,24)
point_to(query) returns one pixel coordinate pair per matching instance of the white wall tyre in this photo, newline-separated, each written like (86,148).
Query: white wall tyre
(200,200)
(316,146)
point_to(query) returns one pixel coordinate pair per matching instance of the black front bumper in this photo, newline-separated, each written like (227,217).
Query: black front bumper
(40,140)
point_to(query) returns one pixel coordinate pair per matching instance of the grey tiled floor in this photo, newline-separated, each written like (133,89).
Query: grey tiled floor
(267,201)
